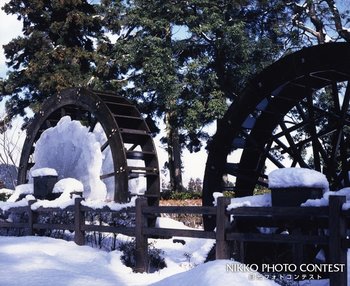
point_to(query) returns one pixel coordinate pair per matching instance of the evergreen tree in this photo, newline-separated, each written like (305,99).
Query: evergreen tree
(184,59)
(179,60)
(194,185)
(229,42)
(151,68)
(56,50)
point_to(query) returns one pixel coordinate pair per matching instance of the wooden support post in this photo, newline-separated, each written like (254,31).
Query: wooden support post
(31,217)
(337,233)
(79,221)
(141,239)
(222,250)
(298,249)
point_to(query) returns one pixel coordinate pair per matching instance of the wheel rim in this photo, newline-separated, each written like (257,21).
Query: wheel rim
(260,127)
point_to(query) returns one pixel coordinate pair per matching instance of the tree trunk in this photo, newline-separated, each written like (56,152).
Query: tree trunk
(174,157)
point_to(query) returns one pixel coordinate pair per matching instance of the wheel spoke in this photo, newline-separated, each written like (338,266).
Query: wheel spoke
(92,123)
(104,146)
(106,176)
(338,136)
(335,94)
(295,151)
(345,103)
(274,161)
(313,133)
(344,156)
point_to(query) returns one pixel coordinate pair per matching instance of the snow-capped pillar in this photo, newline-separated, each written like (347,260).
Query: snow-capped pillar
(44,181)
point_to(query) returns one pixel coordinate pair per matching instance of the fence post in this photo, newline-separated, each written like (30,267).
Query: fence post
(222,250)
(31,217)
(79,221)
(337,232)
(141,240)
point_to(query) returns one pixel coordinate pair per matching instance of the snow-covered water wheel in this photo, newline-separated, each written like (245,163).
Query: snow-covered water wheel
(295,113)
(127,135)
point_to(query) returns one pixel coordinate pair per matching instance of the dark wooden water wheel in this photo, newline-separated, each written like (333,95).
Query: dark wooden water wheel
(295,113)
(127,135)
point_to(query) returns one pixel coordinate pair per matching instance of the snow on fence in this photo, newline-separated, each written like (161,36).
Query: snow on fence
(332,218)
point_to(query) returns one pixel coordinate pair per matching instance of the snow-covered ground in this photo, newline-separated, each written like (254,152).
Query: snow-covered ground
(35,261)
(42,261)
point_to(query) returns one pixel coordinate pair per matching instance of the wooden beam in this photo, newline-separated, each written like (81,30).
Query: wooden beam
(141,238)
(337,233)
(222,249)
(79,221)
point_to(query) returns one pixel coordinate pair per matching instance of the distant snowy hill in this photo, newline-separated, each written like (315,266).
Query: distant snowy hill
(8,175)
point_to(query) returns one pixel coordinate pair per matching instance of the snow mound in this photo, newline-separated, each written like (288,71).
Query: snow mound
(166,222)
(297,177)
(251,201)
(214,273)
(6,191)
(74,152)
(94,204)
(5,206)
(107,163)
(247,201)
(21,190)
(67,186)
(324,201)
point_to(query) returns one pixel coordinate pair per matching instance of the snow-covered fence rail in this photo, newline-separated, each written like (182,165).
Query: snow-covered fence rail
(79,226)
(143,231)
(332,219)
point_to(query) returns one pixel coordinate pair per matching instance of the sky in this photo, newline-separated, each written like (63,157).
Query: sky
(194,163)
(9,29)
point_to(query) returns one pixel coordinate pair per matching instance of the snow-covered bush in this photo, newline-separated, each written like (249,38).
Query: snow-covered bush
(128,248)
(5,194)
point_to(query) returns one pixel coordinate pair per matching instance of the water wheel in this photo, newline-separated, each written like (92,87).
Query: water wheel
(295,113)
(127,136)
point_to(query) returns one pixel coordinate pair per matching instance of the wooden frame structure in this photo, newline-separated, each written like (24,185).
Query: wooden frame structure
(127,136)
(297,106)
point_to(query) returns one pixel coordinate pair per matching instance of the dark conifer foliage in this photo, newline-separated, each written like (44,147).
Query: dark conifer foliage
(181,61)
(56,50)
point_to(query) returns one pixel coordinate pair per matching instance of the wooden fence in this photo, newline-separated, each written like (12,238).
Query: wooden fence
(332,219)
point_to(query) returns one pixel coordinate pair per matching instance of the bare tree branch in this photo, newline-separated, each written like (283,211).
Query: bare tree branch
(316,21)
(206,37)
(343,33)
(299,10)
